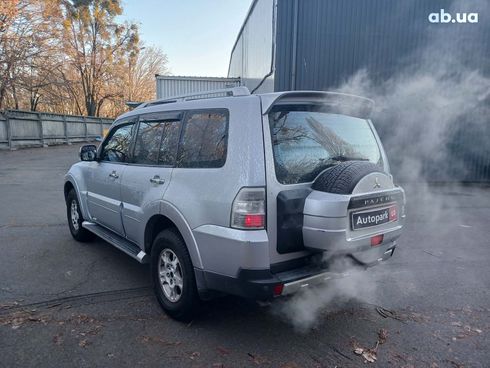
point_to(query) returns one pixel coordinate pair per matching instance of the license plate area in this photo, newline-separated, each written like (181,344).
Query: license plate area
(373,217)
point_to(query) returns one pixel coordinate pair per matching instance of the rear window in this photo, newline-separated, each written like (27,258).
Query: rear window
(306,140)
(204,139)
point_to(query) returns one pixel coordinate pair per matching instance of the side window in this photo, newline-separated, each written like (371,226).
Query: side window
(148,141)
(204,140)
(170,140)
(156,142)
(116,147)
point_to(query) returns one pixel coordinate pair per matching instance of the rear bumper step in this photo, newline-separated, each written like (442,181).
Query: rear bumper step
(295,286)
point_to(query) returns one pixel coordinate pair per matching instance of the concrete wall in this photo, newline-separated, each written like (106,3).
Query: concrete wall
(28,129)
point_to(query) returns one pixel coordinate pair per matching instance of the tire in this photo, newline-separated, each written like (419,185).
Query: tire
(75,219)
(168,244)
(343,178)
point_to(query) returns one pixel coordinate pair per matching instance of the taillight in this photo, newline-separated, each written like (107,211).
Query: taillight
(376,240)
(277,290)
(248,211)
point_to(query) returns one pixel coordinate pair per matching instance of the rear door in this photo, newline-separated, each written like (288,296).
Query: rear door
(104,178)
(148,174)
(302,138)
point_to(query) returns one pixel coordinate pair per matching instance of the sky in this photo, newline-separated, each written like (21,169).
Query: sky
(196,35)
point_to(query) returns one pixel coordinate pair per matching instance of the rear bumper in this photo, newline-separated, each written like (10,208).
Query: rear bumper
(296,285)
(333,232)
(263,284)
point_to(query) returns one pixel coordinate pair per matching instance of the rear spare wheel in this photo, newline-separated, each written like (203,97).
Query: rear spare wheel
(343,178)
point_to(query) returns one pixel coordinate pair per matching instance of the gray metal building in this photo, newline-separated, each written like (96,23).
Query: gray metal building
(169,86)
(320,44)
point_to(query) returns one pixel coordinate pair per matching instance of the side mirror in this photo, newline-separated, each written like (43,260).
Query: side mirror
(88,152)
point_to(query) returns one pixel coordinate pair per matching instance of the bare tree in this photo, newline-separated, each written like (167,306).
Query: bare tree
(28,42)
(142,68)
(74,57)
(94,42)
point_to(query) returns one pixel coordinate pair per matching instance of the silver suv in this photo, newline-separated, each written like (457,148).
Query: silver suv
(228,192)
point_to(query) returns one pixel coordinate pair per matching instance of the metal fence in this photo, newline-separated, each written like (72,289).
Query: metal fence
(29,129)
(170,86)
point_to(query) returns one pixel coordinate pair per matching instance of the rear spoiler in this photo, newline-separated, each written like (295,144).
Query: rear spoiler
(342,103)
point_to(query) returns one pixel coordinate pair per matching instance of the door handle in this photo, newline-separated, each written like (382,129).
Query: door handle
(156,180)
(113,174)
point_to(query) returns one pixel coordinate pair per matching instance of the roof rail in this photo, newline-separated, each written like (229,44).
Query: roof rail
(133,104)
(234,91)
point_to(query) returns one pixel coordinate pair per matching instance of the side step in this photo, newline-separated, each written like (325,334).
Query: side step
(119,242)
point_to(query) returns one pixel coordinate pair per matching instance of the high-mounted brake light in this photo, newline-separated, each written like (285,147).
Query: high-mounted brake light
(248,211)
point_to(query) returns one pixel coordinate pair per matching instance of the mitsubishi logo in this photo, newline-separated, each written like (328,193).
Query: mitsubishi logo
(376,183)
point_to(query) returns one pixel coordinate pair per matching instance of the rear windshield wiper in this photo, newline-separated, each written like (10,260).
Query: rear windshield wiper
(347,158)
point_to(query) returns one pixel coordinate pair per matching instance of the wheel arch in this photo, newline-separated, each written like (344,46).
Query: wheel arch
(70,184)
(67,187)
(155,225)
(170,217)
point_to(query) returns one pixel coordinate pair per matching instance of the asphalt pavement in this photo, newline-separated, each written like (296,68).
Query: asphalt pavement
(63,303)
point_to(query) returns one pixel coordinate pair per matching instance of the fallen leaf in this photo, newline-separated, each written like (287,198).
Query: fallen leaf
(369,355)
(222,350)
(257,359)
(358,351)
(456,364)
(95,330)
(83,343)
(58,339)
(290,365)
(386,313)
(8,305)
(53,305)
(195,355)
(382,335)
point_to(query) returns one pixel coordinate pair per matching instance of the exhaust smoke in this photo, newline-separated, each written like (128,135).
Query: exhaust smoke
(421,111)
(304,308)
